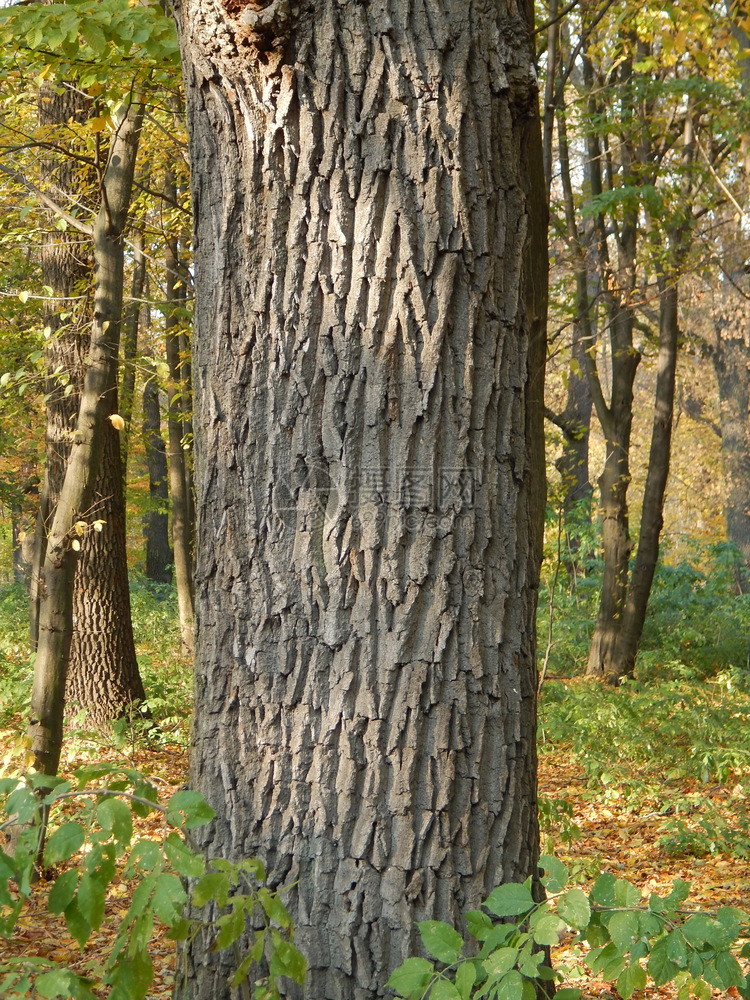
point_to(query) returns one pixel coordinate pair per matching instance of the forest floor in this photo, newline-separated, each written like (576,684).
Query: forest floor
(602,829)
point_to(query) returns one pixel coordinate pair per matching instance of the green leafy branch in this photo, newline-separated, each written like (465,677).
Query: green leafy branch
(629,941)
(171,883)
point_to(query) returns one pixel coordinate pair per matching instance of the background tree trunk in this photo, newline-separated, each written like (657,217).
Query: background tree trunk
(731,360)
(92,434)
(156,522)
(180,481)
(130,324)
(102,674)
(652,519)
(369,497)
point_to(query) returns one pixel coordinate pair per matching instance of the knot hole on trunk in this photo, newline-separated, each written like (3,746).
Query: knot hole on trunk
(265,25)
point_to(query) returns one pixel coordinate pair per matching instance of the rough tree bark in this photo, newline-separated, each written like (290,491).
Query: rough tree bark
(369,475)
(91,437)
(103,671)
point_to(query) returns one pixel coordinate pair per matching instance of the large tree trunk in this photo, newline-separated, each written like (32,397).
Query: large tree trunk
(103,671)
(77,500)
(369,495)
(66,269)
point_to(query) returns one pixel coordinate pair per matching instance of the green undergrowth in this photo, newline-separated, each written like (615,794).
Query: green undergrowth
(675,739)
(167,676)
(697,625)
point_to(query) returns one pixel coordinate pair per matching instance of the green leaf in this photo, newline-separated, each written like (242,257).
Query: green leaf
(702,990)
(231,926)
(64,843)
(180,930)
(77,924)
(556,875)
(274,908)
(131,978)
(478,924)
(189,809)
(676,948)
(547,929)
(528,992)
(660,966)
(288,959)
(94,35)
(62,892)
(444,990)
(212,886)
(23,804)
(596,933)
(411,977)
(169,898)
(626,894)
(568,993)
(603,891)
(732,919)
(729,970)
(631,979)
(671,902)
(466,975)
(530,962)
(114,816)
(623,929)
(144,856)
(441,940)
(701,928)
(184,861)
(510,900)
(510,986)
(91,899)
(53,984)
(500,961)
(573,906)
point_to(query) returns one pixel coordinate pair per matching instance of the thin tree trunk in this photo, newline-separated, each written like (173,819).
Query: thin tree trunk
(367,378)
(130,348)
(575,420)
(97,399)
(647,553)
(181,506)
(615,417)
(731,360)
(159,556)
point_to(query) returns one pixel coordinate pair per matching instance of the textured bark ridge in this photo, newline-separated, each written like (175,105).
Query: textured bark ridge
(103,673)
(366,576)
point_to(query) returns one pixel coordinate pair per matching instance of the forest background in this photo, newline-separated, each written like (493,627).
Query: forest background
(644,112)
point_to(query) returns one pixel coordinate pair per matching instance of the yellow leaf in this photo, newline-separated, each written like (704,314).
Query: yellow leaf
(99,123)
(23,296)
(75,545)
(117,422)
(80,527)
